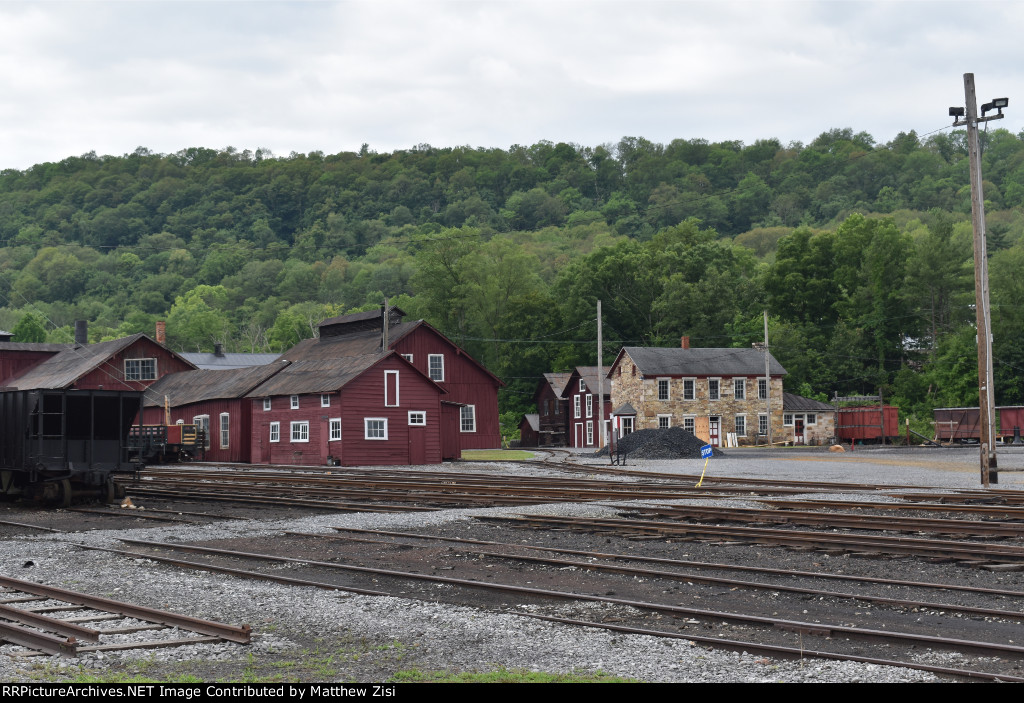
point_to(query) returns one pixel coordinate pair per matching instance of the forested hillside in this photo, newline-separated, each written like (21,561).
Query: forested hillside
(860,252)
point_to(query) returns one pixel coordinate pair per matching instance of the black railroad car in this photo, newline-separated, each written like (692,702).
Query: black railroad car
(55,441)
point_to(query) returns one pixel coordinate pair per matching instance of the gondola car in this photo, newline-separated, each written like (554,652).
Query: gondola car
(867,423)
(163,443)
(56,442)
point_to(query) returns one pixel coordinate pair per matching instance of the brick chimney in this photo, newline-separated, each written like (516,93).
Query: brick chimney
(161,332)
(684,342)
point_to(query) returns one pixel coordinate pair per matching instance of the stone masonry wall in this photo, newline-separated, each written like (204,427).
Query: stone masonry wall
(642,394)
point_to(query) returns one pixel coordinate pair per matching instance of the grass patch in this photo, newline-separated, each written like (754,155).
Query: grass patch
(503,675)
(496,454)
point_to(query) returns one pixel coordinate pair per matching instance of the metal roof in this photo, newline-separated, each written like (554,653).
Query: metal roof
(791,402)
(233,360)
(534,420)
(557,382)
(358,343)
(589,376)
(187,387)
(676,361)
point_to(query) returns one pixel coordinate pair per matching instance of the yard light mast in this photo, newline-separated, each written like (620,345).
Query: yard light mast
(986,403)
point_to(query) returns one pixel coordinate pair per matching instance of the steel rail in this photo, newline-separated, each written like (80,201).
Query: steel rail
(777,650)
(48,624)
(33,639)
(793,625)
(680,562)
(1012,511)
(887,523)
(232,633)
(960,551)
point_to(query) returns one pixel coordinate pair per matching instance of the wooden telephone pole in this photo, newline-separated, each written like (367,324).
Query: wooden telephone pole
(986,402)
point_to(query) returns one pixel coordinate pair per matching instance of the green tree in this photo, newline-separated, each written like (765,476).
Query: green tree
(30,328)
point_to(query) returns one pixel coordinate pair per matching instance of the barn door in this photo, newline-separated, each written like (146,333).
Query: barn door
(417,445)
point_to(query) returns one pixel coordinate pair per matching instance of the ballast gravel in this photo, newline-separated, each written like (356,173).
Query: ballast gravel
(337,636)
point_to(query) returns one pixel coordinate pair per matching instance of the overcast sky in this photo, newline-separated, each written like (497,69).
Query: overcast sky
(82,76)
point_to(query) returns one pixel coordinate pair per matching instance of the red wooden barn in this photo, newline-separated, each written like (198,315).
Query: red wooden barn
(216,401)
(584,413)
(131,363)
(18,357)
(357,410)
(468,383)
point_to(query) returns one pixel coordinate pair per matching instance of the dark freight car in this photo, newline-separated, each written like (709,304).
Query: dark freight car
(56,441)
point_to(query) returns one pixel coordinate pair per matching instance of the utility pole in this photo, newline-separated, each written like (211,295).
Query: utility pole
(986,402)
(600,382)
(767,381)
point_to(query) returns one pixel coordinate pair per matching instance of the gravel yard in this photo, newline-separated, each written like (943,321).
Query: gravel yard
(307,634)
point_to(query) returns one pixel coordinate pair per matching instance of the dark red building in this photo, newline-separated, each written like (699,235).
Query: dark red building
(552,410)
(584,413)
(468,383)
(359,410)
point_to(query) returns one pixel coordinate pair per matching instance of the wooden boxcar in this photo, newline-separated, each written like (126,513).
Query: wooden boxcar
(961,424)
(56,441)
(867,423)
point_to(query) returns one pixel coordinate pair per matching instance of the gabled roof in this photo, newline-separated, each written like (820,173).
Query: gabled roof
(676,361)
(368,342)
(187,387)
(231,360)
(533,419)
(556,382)
(624,409)
(355,344)
(791,402)
(66,367)
(325,375)
(589,376)
(34,346)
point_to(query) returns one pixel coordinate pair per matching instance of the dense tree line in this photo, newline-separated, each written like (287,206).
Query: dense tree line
(859,251)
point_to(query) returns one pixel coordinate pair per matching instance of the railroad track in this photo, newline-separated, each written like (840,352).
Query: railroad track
(769,634)
(28,621)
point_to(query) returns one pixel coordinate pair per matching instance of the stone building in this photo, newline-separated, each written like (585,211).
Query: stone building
(658,387)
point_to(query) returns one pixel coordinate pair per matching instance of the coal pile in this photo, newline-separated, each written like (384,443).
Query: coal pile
(673,443)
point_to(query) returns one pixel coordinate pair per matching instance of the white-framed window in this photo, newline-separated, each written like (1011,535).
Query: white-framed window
(295,402)
(468,418)
(811,419)
(741,425)
(762,424)
(266,404)
(275,431)
(391,389)
(688,424)
(689,389)
(300,431)
(325,400)
(407,357)
(663,389)
(627,425)
(375,428)
(664,422)
(714,391)
(140,369)
(225,430)
(576,407)
(787,419)
(762,389)
(739,388)
(435,364)
(583,386)
(335,426)
(590,432)
(590,405)
(417,418)
(202,422)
